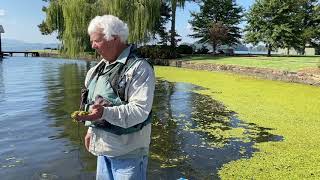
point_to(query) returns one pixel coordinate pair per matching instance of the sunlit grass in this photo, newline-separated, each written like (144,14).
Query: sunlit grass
(51,51)
(293,63)
(292,110)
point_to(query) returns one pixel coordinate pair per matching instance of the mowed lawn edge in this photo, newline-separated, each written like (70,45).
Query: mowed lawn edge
(285,63)
(292,110)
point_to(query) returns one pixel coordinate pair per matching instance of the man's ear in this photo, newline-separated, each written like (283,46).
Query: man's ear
(115,37)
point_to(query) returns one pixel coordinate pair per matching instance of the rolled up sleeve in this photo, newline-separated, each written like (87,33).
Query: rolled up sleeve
(140,93)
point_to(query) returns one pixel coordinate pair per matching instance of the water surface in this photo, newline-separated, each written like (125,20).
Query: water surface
(39,141)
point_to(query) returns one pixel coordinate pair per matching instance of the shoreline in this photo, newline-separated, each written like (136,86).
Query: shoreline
(55,55)
(265,73)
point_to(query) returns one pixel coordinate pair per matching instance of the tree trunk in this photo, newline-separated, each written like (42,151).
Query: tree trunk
(1,55)
(0,44)
(288,51)
(303,50)
(269,50)
(173,26)
(214,48)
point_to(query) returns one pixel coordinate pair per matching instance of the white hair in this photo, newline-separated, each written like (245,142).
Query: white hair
(110,26)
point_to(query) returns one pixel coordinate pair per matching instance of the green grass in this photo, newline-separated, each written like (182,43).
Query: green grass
(58,54)
(46,51)
(293,63)
(292,110)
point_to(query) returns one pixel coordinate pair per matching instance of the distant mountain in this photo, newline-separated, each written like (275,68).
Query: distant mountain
(197,45)
(261,48)
(17,45)
(240,47)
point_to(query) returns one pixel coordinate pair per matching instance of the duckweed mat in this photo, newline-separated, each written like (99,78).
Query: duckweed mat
(289,111)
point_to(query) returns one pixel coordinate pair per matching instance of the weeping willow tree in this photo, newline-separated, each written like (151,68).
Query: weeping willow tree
(140,15)
(70,18)
(77,15)
(54,20)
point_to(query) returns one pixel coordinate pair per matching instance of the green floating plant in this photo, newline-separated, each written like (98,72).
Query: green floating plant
(288,110)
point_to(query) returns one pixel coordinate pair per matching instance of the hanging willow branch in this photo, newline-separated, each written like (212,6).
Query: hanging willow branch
(140,15)
(55,20)
(77,15)
(71,18)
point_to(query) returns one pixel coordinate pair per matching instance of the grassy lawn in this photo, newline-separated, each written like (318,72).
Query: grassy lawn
(47,51)
(291,110)
(58,54)
(293,63)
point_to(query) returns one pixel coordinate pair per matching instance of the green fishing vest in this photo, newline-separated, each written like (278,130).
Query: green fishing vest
(107,86)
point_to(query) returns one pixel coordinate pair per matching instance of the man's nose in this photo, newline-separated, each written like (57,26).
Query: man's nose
(93,45)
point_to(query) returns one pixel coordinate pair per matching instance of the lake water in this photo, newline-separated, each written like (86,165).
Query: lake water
(39,140)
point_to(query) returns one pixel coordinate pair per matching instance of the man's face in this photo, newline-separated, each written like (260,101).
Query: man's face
(101,45)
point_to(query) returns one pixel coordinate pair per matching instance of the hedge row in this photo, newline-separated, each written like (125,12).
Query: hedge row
(166,52)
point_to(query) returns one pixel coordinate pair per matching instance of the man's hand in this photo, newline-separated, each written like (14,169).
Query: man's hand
(96,113)
(87,140)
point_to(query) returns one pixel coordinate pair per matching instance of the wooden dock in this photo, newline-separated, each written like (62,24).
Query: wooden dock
(10,53)
(26,53)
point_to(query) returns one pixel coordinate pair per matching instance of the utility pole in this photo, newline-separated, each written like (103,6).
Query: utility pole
(1,31)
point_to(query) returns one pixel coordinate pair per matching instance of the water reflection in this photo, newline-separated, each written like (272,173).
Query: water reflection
(29,123)
(191,135)
(63,90)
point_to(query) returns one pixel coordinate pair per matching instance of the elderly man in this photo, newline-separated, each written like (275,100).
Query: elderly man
(119,92)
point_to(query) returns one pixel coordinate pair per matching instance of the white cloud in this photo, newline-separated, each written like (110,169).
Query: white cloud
(189,26)
(189,29)
(2,12)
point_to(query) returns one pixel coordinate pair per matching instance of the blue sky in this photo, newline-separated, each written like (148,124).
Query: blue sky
(21,17)
(183,28)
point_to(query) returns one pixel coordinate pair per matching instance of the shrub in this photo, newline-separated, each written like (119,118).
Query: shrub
(156,52)
(184,49)
(203,50)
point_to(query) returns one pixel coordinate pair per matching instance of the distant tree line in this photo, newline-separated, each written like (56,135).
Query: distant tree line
(275,23)
(284,24)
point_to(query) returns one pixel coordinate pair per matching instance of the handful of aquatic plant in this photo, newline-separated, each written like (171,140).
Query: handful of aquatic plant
(78,113)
